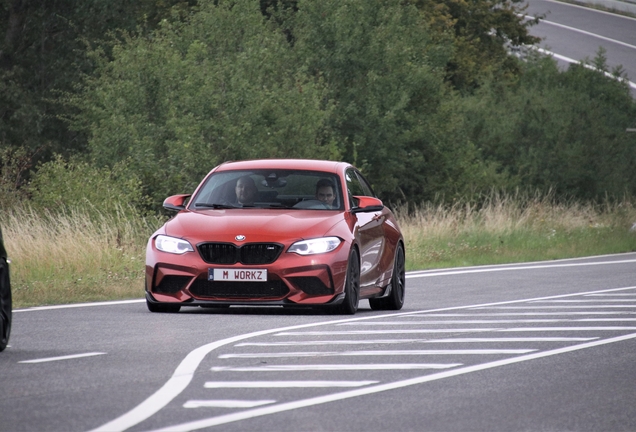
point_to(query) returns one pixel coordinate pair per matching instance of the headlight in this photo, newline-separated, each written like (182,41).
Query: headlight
(172,245)
(315,246)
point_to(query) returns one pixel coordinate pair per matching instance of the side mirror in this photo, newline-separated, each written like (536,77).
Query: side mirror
(176,202)
(366,204)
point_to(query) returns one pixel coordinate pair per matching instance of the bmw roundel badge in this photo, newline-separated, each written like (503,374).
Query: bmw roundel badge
(239,237)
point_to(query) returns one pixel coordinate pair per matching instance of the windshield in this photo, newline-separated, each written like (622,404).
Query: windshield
(270,189)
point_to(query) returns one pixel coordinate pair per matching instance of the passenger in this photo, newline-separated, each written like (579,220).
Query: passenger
(326,192)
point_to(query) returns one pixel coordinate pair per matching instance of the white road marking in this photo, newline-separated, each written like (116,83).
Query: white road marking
(598,36)
(66,357)
(395,341)
(525,314)
(335,367)
(588,9)
(610,295)
(585,301)
(378,353)
(466,321)
(574,328)
(79,305)
(428,273)
(184,372)
(286,384)
(370,332)
(631,306)
(225,403)
(272,409)
(588,66)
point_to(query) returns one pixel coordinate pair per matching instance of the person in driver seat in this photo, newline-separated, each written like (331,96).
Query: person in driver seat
(245,190)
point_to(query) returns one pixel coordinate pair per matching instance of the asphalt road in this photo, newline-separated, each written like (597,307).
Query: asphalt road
(541,346)
(574,33)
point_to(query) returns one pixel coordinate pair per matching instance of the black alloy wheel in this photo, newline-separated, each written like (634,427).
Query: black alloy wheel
(352,285)
(395,299)
(5,304)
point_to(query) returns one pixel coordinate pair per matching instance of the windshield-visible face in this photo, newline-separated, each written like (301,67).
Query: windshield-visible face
(270,189)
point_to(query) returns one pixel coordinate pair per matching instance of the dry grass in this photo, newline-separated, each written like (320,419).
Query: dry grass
(71,257)
(515,228)
(75,257)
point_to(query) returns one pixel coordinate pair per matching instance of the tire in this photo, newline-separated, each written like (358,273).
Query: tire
(395,299)
(352,286)
(162,307)
(5,304)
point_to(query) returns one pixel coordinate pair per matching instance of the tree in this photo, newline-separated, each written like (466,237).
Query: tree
(564,131)
(222,85)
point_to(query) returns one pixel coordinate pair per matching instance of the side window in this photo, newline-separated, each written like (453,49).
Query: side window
(353,184)
(366,187)
(357,185)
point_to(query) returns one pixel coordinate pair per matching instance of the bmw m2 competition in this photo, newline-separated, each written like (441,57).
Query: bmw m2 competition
(277,232)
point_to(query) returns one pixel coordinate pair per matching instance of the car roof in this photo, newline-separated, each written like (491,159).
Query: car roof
(295,164)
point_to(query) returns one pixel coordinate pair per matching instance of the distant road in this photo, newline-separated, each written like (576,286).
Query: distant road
(574,33)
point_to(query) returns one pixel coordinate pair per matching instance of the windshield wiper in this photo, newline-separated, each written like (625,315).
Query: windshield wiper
(214,206)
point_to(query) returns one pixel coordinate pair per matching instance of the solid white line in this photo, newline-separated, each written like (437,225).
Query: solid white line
(591,10)
(586,301)
(66,357)
(225,403)
(547,329)
(524,314)
(571,60)
(335,367)
(395,341)
(379,353)
(229,418)
(286,384)
(79,305)
(631,306)
(504,321)
(515,268)
(574,29)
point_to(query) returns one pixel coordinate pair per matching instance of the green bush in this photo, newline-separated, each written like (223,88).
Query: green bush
(61,185)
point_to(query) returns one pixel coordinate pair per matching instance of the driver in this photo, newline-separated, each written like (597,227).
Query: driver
(245,190)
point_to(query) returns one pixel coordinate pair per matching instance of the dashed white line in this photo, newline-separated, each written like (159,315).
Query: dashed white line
(335,367)
(226,403)
(404,341)
(573,328)
(286,384)
(66,357)
(371,332)
(378,353)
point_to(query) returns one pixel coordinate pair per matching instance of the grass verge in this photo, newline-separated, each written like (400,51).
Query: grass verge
(74,257)
(79,257)
(507,229)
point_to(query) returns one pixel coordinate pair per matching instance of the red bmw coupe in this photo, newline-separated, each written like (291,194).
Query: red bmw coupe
(277,232)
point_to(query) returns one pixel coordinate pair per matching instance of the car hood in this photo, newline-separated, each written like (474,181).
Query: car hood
(257,225)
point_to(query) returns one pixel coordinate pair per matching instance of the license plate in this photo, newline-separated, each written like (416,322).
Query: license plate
(237,275)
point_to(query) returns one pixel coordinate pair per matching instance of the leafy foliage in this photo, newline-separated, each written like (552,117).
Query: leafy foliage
(60,186)
(223,86)
(422,95)
(564,131)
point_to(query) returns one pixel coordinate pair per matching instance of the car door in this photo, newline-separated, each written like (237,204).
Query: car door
(370,233)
